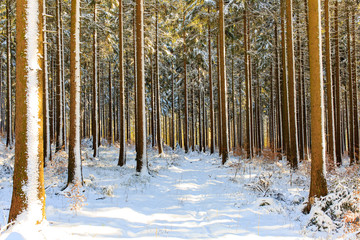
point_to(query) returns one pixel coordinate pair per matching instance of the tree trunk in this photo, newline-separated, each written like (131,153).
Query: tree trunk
(337,87)
(110,116)
(173,140)
(293,154)
(186,136)
(152,87)
(212,123)
(248,144)
(95,107)
(74,164)
(355,87)
(318,187)
(278,93)
(157,84)
(351,104)
(28,195)
(141,161)
(8,75)
(285,97)
(233,103)
(224,105)
(47,144)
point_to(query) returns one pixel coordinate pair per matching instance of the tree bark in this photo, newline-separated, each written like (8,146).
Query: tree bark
(355,87)
(95,106)
(248,142)
(74,164)
(28,195)
(8,75)
(224,104)
(212,123)
(157,84)
(293,154)
(350,82)
(337,87)
(318,186)
(141,161)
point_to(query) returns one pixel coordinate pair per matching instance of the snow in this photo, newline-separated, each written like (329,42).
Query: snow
(185,196)
(34,206)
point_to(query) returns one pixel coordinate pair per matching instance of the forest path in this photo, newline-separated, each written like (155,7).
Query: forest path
(187,197)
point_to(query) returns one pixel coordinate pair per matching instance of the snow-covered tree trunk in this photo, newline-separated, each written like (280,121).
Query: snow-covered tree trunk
(28,198)
(74,164)
(95,106)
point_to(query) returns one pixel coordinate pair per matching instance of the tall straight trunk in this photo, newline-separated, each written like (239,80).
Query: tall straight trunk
(330,97)
(186,134)
(212,123)
(192,139)
(173,140)
(204,128)
(248,144)
(28,197)
(95,107)
(157,91)
(271,113)
(200,118)
(224,102)
(99,108)
(74,164)
(299,105)
(141,161)
(128,133)
(152,87)
(110,116)
(219,96)
(8,79)
(233,103)
(47,144)
(304,110)
(278,93)
(318,186)
(135,73)
(285,98)
(338,146)
(351,104)
(59,102)
(355,86)
(64,129)
(180,135)
(293,154)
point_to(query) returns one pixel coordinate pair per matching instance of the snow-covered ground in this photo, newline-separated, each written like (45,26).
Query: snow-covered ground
(186,196)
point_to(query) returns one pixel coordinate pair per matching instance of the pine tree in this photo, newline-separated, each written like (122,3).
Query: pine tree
(28,197)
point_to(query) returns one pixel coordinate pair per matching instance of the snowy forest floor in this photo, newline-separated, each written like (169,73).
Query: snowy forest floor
(186,196)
